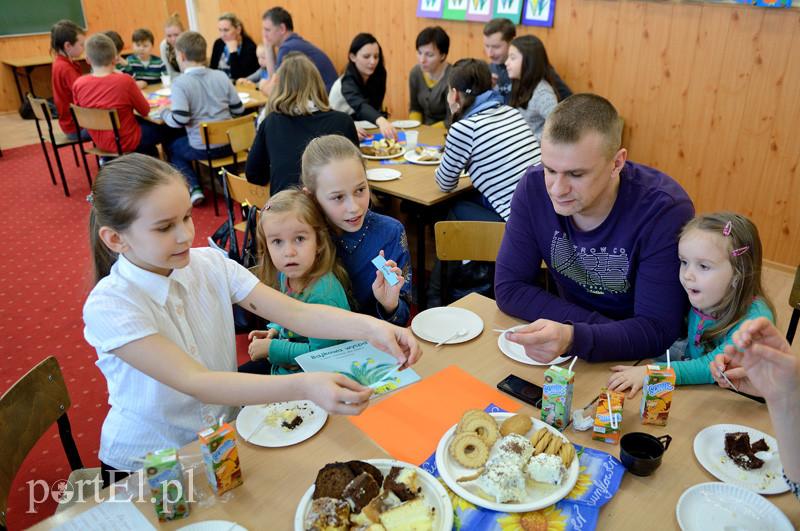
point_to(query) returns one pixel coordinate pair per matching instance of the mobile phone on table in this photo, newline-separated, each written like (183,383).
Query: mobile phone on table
(524,390)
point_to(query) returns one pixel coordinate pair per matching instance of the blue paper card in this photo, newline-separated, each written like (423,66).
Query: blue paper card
(380,264)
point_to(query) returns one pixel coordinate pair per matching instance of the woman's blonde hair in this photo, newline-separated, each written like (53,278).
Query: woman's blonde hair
(320,152)
(174,20)
(294,200)
(743,249)
(299,83)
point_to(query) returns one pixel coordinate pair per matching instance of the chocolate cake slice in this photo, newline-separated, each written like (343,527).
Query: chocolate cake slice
(738,448)
(357,467)
(760,446)
(332,480)
(360,491)
(402,482)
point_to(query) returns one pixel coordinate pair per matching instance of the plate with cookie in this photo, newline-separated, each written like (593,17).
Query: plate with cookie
(742,456)
(385,148)
(507,462)
(426,156)
(280,423)
(374,494)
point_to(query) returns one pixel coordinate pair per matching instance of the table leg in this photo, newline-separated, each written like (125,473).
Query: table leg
(28,70)
(422,289)
(19,88)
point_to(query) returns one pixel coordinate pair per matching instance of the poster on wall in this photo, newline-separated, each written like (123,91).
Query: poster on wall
(510,9)
(539,13)
(430,8)
(455,9)
(479,10)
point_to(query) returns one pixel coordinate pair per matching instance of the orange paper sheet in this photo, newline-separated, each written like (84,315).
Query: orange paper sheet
(409,423)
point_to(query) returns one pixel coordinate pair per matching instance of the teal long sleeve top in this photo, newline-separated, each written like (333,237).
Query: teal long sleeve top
(288,344)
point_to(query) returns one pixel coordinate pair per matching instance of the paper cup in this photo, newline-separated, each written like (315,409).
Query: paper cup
(411,139)
(166,80)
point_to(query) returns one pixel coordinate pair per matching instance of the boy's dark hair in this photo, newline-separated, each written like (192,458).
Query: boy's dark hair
(116,38)
(471,78)
(142,35)
(434,35)
(192,45)
(503,26)
(63,32)
(100,50)
(278,16)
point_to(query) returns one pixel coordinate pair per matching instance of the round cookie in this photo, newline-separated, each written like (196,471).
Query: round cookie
(480,423)
(519,424)
(469,450)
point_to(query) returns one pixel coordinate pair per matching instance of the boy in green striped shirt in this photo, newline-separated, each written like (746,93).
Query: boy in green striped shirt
(145,68)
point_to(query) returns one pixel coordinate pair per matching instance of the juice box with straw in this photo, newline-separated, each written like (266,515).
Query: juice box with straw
(608,417)
(557,396)
(165,479)
(221,456)
(659,384)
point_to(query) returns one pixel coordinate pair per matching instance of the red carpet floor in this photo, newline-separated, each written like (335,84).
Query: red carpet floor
(45,275)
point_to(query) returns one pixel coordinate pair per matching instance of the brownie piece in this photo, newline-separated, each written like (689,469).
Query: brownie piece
(760,446)
(332,480)
(357,467)
(737,446)
(360,491)
(402,482)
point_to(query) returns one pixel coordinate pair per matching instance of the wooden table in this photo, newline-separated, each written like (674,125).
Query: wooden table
(275,479)
(23,66)
(257,98)
(418,188)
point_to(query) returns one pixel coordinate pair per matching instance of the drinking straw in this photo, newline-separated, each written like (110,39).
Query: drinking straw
(667,358)
(574,359)
(614,423)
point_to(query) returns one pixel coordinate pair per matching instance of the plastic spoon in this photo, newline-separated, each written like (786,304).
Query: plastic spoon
(461,332)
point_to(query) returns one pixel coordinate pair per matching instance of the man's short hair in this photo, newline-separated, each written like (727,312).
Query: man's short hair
(278,16)
(192,45)
(580,113)
(434,35)
(143,35)
(100,50)
(503,26)
(116,38)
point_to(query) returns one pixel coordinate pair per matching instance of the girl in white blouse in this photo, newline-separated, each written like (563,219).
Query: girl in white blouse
(161,319)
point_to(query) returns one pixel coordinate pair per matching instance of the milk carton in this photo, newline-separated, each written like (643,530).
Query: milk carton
(221,456)
(557,396)
(659,384)
(167,489)
(605,429)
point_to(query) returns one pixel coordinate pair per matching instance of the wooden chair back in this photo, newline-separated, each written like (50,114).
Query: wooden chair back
(40,108)
(96,119)
(468,240)
(241,137)
(217,132)
(794,302)
(241,191)
(27,410)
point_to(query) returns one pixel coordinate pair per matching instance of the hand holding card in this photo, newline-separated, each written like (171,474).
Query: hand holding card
(380,263)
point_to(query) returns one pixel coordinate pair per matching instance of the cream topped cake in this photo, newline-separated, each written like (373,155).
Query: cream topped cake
(503,479)
(546,468)
(513,448)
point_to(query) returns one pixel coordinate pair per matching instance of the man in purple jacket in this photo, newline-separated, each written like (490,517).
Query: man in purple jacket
(607,230)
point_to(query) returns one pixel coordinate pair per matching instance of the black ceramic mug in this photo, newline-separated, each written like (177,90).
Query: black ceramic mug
(641,452)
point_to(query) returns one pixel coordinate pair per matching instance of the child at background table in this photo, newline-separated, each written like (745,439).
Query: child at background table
(145,67)
(66,42)
(334,174)
(172,28)
(720,256)
(161,320)
(298,258)
(532,87)
(262,74)
(119,61)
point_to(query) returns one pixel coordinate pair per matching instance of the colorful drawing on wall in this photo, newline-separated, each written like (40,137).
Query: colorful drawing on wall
(479,10)
(539,13)
(773,3)
(430,8)
(455,9)
(510,9)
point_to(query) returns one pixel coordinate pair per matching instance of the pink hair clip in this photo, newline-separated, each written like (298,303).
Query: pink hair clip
(727,230)
(740,251)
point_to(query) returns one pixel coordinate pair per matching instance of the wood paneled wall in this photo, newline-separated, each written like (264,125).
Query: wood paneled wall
(101,15)
(709,92)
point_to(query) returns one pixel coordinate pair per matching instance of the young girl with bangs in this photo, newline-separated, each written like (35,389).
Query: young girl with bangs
(720,255)
(298,259)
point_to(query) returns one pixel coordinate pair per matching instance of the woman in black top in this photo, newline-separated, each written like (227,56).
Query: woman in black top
(360,91)
(298,111)
(234,52)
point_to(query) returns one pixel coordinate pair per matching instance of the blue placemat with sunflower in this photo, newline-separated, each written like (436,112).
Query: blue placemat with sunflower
(598,481)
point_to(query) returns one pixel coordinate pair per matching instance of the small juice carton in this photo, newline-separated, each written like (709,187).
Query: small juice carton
(165,478)
(557,396)
(659,384)
(221,456)
(608,418)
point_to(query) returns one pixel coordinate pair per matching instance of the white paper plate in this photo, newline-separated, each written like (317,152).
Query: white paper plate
(412,157)
(709,448)
(437,324)
(382,174)
(251,417)
(435,495)
(166,91)
(384,157)
(516,352)
(539,494)
(365,124)
(213,525)
(244,95)
(721,506)
(405,124)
